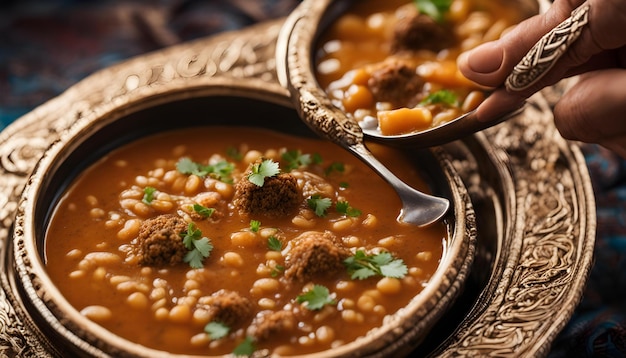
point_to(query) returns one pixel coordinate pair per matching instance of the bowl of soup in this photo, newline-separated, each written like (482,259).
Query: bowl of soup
(390,66)
(211,221)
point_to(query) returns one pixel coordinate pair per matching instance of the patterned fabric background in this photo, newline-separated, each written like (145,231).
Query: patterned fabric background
(48,45)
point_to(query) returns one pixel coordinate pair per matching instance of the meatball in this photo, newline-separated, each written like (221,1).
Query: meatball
(279,196)
(314,254)
(395,82)
(229,307)
(268,323)
(160,242)
(420,32)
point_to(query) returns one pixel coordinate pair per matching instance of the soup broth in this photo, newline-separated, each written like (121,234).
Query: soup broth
(391,65)
(164,243)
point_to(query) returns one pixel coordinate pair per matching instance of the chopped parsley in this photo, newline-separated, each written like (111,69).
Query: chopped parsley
(274,244)
(317,158)
(277,270)
(446,97)
(259,171)
(255,225)
(199,247)
(216,330)
(335,167)
(203,210)
(245,348)
(316,298)
(343,207)
(434,8)
(148,194)
(319,205)
(361,265)
(221,170)
(234,153)
(295,159)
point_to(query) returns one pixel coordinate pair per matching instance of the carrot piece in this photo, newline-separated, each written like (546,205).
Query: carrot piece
(404,120)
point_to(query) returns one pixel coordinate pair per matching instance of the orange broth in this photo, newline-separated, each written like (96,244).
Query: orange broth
(374,81)
(94,228)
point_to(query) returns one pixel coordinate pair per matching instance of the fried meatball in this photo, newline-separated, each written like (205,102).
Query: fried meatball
(229,307)
(314,254)
(420,32)
(267,324)
(279,196)
(160,242)
(395,82)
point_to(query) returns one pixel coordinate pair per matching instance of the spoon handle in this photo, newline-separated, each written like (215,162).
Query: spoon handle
(548,50)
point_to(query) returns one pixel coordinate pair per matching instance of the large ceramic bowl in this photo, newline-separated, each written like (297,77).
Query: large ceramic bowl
(69,333)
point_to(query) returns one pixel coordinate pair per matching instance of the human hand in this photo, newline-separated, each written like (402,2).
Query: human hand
(594,109)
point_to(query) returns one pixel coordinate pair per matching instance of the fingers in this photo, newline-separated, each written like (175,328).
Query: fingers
(490,63)
(594,110)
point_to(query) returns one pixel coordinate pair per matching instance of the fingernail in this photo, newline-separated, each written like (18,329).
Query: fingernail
(486,58)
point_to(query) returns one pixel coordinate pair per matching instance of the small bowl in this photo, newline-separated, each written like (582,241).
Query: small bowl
(67,331)
(300,47)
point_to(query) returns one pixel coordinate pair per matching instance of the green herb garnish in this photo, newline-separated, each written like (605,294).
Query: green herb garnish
(255,225)
(335,167)
(199,247)
(203,210)
(234,153)
(216,330)
(266,169)
(221,170)
(274,244)
(316,298)
(446,97)
(434,8)
(317,158)
(295,159)
(343,207)
(319,205)
(245,348)
(277,270)
(148,194)
(361,265)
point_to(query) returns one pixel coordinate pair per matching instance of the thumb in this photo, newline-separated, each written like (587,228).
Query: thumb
(593,110)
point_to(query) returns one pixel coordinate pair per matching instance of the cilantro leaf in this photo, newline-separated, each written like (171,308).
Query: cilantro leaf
(446,97)
(343,207)
(255,225)
(203,210)
(245,348)
(361,265)
(266,169)
(434,8)
(319,204)
(216,330)
(316,298)
(221,170)
(199,247)
(295,159)
(274,243)
(234,153)
(148,194)
(277,270)
(335,167)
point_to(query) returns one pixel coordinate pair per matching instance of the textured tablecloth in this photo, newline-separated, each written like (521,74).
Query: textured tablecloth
(47,46)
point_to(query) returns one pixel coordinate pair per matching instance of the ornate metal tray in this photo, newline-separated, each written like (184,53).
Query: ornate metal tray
(530,188)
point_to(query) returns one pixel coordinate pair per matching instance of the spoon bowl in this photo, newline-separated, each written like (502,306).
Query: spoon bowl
(458,128)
